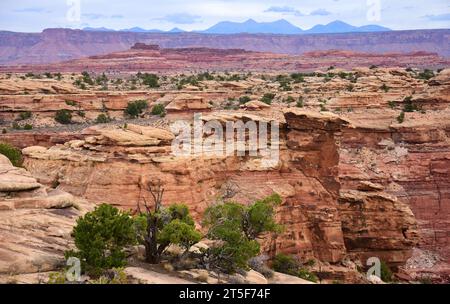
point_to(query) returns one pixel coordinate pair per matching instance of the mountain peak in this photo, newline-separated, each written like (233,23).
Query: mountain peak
(250,26)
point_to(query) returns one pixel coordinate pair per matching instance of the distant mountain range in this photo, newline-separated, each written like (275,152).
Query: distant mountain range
(252,27)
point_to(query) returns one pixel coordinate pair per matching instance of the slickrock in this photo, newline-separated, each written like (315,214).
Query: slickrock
(186,102)
(255,105)
(35,224)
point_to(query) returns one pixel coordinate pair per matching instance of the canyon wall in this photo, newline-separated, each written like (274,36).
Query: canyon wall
(320,221)
(55,45)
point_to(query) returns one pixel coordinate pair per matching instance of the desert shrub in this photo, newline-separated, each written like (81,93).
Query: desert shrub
(401,117)
(159,227)
(285,264)
(323,108)
(102,118)
(158,109)
(244,99)
(289,265)
(385,88)
(12,153)
(298,77)
(386,273)
(100,237)
(87,78)
(71,103)
(28,127)
(113,276)
(289,99)
(136,108)
(409,105)
(426,74)
(63,117)
(303,273)
(392,104)
(150,80)
(268,98)
(25,115)
(57,278)
(237,227)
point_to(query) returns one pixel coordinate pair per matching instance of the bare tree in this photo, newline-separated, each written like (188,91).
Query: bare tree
(153,250)
(229,190)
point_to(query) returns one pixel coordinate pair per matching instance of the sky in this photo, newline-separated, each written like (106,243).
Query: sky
(34,16)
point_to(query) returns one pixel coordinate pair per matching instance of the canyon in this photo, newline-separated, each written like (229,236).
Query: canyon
(364,145)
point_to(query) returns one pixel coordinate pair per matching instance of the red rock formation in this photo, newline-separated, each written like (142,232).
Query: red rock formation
(150,58)
(113,166)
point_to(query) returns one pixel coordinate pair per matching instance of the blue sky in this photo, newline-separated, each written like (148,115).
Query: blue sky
(33,16)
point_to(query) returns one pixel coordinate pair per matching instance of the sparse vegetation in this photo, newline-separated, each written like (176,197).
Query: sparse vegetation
(426,74)
(237,227)
(71,103)
(289,99)
(401,117)
(287,264)
(386,273)
(385,88)
(136,108)
(392,104)
(159,227)
(25,115)
(268,98)
(102,118)
(150,80)
(12,153)
(100,238)
(244,99)
(158,109)
(63,116)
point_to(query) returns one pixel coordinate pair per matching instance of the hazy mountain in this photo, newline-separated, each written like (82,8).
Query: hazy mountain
(252,27)
(284,27)
(342,27)
(176,30)
(98,29)
(141,30)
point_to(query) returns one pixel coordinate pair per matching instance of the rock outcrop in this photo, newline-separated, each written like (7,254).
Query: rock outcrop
(35,223)
(320,221)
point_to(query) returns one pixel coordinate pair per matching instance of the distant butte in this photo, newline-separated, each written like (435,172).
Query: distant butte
(153,58)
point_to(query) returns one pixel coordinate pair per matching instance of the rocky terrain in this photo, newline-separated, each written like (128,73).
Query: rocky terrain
(55,45)
(364,161)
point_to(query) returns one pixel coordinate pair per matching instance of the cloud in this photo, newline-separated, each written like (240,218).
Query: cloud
(92,16)
(285,10)
(31,10)
(320,12)
(181,18)
(442,17)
